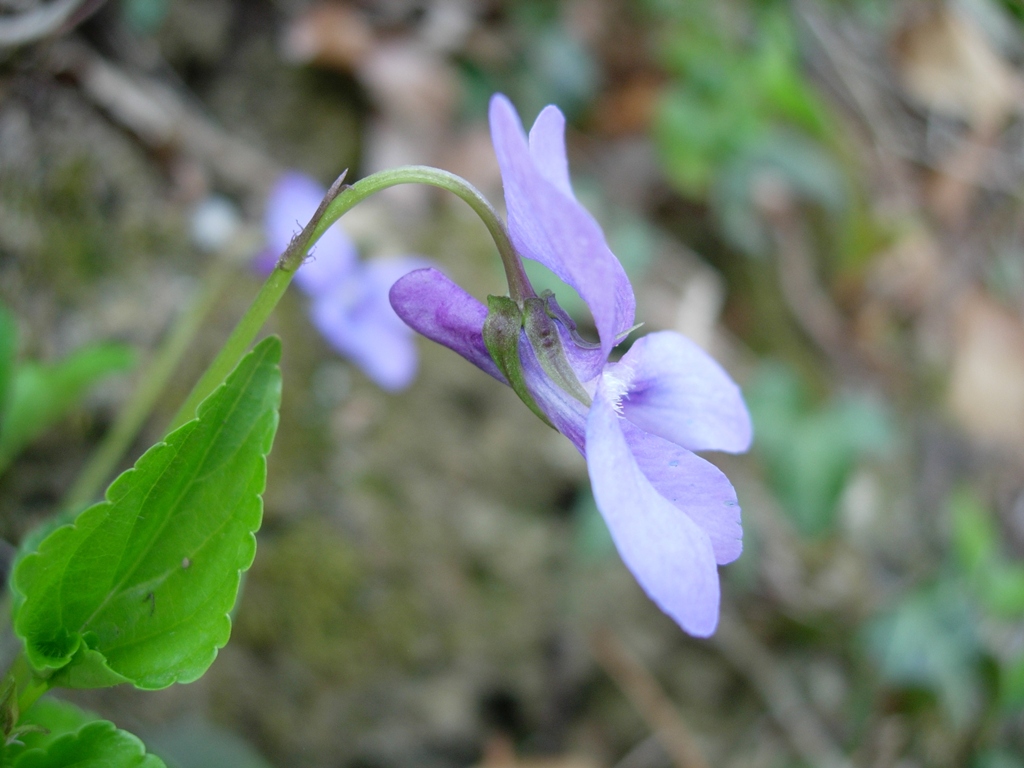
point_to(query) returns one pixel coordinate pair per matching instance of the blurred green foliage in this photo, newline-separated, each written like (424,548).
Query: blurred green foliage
(550,65)
(739,117)
(810,450)
(35,396)
(729,94)
(942,636)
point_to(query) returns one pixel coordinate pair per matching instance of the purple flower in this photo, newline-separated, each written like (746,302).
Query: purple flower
(350,304)
(673,516)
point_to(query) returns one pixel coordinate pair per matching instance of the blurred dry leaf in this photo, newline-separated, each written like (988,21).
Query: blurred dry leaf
(907,274)
(948,65)
(407,79)
(986,389)
(499,753)
(629,108)
(330,35)
(411,83)
(470,154)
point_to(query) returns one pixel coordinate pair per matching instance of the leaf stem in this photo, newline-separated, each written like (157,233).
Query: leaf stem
(341,199)
(116,442)
(29,685)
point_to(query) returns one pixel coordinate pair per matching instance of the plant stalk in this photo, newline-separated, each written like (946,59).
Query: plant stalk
(341,199)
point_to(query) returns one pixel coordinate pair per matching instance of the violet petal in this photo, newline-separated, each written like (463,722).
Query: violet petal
(547,224)
(547,147)
(668,553)
(692,484)
(357,320)
(676,390)
(431,304)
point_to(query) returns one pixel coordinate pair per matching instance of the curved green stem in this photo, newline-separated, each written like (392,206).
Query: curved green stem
(518,284)
(236,345)
(340,199)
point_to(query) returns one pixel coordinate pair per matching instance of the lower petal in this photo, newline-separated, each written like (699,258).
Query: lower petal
(668,553)
(678,391)
(695,486)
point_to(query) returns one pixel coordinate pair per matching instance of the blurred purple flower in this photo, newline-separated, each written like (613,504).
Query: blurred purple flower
(673,516)
(350,304)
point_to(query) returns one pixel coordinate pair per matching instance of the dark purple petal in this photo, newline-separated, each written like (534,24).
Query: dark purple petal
(292,202)
(677,391)
(667,552)
(431,304)
(547,224)
(695,486)
(379,275)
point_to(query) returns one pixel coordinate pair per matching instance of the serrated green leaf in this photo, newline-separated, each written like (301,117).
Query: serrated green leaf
(42,394)
(139,588)
(99,744)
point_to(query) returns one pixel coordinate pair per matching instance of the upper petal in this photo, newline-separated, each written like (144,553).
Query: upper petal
(676,390)
(547,224)
(431,304)
(668,553)
(293,200)
(547,147)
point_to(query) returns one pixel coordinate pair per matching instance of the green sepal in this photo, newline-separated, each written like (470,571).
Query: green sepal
(542,331)
(501,336)
(139,587)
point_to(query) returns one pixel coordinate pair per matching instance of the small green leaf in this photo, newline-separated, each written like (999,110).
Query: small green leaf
(1003,589)
(52,719)
(99,744)
(810,452)
(42,394)
(8,359)
(930,639)
(139,588)
(1011,684)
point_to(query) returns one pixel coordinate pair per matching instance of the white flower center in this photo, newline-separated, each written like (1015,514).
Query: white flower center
(617,379)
